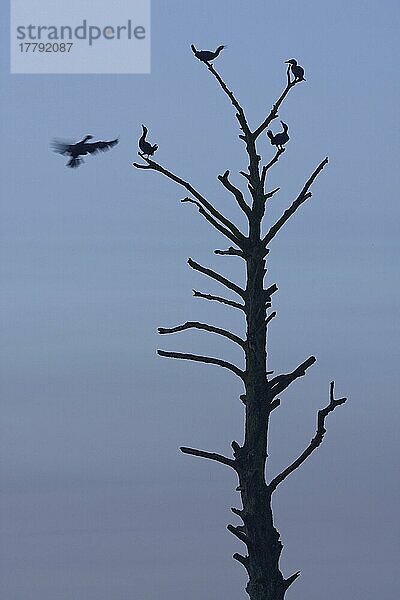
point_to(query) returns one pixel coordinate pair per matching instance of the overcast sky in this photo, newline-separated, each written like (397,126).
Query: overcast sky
(97,503)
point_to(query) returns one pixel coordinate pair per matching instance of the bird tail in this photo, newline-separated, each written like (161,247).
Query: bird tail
(193,48)
(270,135)
(74,162)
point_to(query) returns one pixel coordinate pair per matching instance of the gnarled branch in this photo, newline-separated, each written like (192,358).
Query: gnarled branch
(248,136)
(151,164)
(213,221)
(232,303)
(302,197)
(281,382)
(214,275)
(315,442)
(204,359)
(210,455)
(204,326)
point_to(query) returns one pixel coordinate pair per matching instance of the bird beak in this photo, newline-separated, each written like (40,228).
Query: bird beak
(287,61)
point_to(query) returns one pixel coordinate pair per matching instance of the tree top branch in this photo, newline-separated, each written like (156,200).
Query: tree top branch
(274,110)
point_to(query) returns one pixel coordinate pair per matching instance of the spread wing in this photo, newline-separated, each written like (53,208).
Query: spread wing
(96,147)
(62,146)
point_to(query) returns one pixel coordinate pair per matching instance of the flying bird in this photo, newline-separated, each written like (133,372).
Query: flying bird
(279,139)
(297,70)
(75,151)
(145,146)
(206,55)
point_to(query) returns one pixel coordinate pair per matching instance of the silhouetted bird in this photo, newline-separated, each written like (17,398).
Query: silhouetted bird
(206,55)
(279,139)
(80,149)
(297,70)
(145,146)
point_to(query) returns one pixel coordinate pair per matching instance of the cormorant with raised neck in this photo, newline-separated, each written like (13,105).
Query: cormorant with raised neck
(75,151)
(206,55)
(145,147)
(297,70)
(279,139)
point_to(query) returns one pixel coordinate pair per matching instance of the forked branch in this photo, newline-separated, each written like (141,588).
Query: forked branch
(151,164)
(247,136)
(315,442)
(214,222)
(214,275)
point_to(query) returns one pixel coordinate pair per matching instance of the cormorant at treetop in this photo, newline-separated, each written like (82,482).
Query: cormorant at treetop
(279,139)
(80,149)
(206,55)
(145,146)
(297,70)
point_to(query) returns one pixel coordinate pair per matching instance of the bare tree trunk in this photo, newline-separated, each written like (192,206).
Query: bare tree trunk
(264,547)
(266,582)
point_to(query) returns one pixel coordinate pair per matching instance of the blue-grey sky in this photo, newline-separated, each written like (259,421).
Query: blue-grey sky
(96,501)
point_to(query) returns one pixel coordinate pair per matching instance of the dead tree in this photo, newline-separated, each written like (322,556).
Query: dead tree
(261,392)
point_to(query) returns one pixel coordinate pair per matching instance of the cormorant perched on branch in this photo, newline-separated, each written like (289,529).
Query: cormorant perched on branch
(297,70)
(75,151)
(145,146)
(206,55)
(279,139)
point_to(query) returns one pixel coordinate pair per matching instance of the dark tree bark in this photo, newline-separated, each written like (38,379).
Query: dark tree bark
(260,398)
